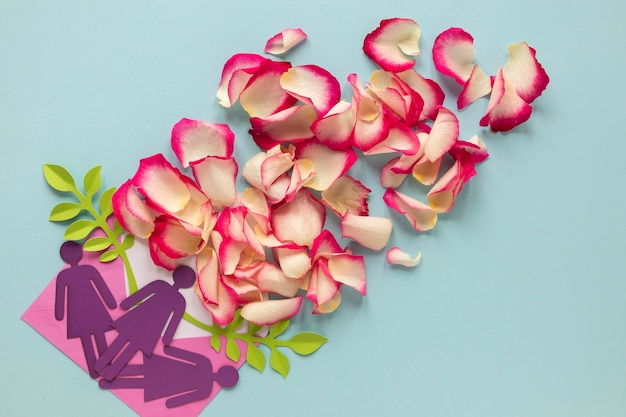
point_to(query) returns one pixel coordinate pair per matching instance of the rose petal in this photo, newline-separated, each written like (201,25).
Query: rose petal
(371,232)
(444,133)
(505,109)
(477,86)
(216,177)
(289,125)
(300,220)
(389,178)
(443,194)
(397,95)
(217,298)
(346,195)
(132,212)
(283,42)
(328,165)
(349,270)
(164,187)
(294,260)
(401,139)
(371,120)
(453,54)
(263,95)
(391,43)
(174,240)
(523,70)
(235,76)
(269,312)
(193,140)
(322,287)
(421,216)
(272,279)
(396,256)
(313,85)
(335,128)
(431,93)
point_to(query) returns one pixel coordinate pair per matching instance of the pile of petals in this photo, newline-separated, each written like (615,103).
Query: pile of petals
(265,248)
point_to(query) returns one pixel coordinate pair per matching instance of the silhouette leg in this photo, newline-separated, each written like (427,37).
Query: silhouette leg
(120,362)
(109,354)
(120,383)
(101,343)
(90,355)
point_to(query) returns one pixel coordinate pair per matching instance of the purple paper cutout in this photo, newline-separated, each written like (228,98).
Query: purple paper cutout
(183,381)
(140,328)
(86,314)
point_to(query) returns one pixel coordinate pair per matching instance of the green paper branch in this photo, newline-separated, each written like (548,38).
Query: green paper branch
(80,229)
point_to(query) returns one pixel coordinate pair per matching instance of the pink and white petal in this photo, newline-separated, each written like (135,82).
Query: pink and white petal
(478,85)
(217,298)
(396,256)
(348,270)
(393,43)
(268,312)
(347,195)
(505,109)
(525,72)
(229,254)
(369,231)
(246,291)
(192,213)
(289,125)
(328,164)
(443,134)
(325,245)
(388,178)
(303,170)
(193,140)
(298,221)
(421,216)
(335,128)
(371,121)
(263,95)
(216,177)
(453,54)
(294,260)
(162,184)
(132,212)
(322,287)
(252,173)
(329,306)
(313,85)
(443,194)
(271,279)
(425,171)
(431,93)
(235,76)
(397,95)
(275,166)
(173,240)
(473,150)
(284,41)
(160,258)
(400,138)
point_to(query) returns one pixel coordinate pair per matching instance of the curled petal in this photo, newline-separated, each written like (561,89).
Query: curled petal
(300,220)
(325,245)
(322,287)
(284,41)
(193,140)
(443,194)
(275,166)
(268,312)
(216,177)
(294,260)
(271,279)
(263,95)
(396,256)
(477,86)
(444,133)
(371,120)
(523,70)
(403,100)
(252,173)
(289,125)
(400,138)
(132,212)
(313,85)
(349,270)
(173,239)
(389,178)
(235,76)
(347,195)
(421,216)
(473,150)
(393,44)
(453,54)
(164,187)
(505,109)
(217,298)
(371,232)
(431,93)
(335,128)
(329,306)
(327,164)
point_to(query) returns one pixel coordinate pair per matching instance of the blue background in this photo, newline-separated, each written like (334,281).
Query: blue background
(519,306)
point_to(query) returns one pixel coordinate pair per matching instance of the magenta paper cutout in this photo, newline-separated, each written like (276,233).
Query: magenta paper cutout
(40,316)
(140,328)
(86,314)
(187,380)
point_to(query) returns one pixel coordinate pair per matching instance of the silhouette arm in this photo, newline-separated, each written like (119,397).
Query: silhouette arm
(59,298)
(177,315)
(103,289)
(141,294)
(185,355)
(196,395)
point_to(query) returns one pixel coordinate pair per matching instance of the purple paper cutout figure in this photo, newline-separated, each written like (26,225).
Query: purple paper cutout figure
(140,328)
(184,381)
(86,314)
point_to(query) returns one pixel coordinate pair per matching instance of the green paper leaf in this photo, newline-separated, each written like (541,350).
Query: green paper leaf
(117,228)
(128,242)
(253,328)
(65,211)
(279,362)
(92,181)
(237,321)
(215,342)
(232,350)
(96,244)
(306,343)
(255,357)
(106,204)
(109,256)
(59,178)
(80,229)
(278,328)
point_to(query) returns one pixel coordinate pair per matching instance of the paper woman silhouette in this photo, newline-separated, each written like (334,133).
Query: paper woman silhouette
(184,381)
(86,314)
(141,327)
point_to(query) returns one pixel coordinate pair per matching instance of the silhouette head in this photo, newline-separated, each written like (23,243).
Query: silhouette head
(227,376)
(184,277)
(71,252)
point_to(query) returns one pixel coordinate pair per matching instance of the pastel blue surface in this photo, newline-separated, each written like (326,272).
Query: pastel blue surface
(519,306)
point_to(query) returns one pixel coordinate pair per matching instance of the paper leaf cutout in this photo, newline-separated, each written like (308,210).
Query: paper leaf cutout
(96,244)
(65,211)
(80,229)
(255,357)
(106,204)
(92,181)
(279,328)
(232,350)
(306,343)
(109,256)
(279,362)
(58,178)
